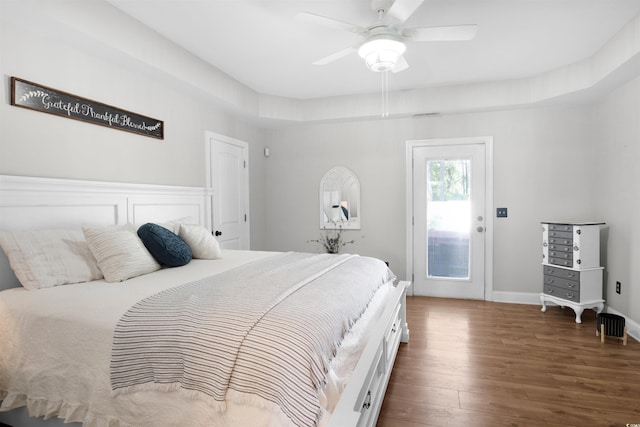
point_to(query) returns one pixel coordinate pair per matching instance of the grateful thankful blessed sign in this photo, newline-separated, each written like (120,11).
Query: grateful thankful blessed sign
(41,98)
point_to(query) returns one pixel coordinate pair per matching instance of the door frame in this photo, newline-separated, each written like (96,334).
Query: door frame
(487,141)
(209,185)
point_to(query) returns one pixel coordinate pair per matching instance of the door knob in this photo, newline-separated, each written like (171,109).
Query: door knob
(217,233)
(480,229)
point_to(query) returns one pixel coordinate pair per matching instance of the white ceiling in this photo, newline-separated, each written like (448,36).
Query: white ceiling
(262,45)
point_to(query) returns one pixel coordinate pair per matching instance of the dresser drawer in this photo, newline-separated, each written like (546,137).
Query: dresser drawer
(561,234)
(562,273)
(561,254)
(561,248)
(561,227)
(562,293)
(561,261)
(570,285)
(567,241)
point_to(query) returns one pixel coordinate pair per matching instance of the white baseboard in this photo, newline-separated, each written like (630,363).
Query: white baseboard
(517,297)
(633,328)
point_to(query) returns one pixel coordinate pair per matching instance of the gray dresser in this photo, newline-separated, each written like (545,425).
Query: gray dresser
(572,275)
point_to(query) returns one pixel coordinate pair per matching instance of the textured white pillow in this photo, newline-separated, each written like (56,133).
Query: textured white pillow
(202,244)
(120,253)
(46,258)
(174,224)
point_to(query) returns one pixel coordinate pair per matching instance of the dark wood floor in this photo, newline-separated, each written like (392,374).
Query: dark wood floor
(476,363)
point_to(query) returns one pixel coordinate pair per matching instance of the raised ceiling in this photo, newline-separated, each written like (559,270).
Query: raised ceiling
(261,44)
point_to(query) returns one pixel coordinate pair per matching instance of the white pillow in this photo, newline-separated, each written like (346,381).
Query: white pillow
(202,244)
(120,253)
(46,258)
(174,224)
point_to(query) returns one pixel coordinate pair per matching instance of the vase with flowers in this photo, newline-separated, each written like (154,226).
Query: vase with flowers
(332,239)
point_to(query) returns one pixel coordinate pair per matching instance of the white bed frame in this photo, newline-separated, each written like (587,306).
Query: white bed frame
(28,203)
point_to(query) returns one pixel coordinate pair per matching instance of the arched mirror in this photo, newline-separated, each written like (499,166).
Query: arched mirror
(340,199)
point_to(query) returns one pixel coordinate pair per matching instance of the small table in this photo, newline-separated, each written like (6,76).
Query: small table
(613,325)
(597,305)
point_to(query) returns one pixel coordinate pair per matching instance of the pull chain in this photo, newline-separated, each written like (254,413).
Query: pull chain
(385,94)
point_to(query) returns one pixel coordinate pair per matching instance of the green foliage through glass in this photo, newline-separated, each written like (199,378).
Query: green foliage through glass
(448,180)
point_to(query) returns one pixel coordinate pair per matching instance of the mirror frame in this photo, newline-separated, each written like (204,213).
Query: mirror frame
(340,200)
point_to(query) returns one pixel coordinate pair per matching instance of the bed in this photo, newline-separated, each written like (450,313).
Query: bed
(197,344)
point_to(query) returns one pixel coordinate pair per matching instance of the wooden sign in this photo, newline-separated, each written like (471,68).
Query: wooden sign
(41,98)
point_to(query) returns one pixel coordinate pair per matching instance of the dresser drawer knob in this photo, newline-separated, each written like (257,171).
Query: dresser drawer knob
(549,290)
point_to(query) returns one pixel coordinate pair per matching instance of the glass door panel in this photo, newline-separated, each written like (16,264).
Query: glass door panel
(448,218)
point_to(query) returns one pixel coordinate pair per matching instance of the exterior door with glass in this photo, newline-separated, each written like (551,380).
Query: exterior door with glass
(449,220)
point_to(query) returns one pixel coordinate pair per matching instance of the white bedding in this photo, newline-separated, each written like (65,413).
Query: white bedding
(78,321)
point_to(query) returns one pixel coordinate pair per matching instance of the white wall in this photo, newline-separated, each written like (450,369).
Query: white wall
(58,147)
(616,122)
(42,50)
(548,161)
(555,163)
(543,171)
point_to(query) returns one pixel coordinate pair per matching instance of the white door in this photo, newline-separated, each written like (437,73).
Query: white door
(230,184)
(449,220)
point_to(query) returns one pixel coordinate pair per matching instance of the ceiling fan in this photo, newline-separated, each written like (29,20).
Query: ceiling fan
(383,42)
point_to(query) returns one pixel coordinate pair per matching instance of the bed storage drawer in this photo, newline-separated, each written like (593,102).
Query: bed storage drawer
(379,375)
(392,337)
(362,398)
(373,393)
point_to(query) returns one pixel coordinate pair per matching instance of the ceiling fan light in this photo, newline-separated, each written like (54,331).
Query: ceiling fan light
(381,54)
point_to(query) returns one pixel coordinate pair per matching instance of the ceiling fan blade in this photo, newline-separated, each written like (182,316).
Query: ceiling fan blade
(330,22)
(401,10)
(435,34)
(401,65)
(335,56)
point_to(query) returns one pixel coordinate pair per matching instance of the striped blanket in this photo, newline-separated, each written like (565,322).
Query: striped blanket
(269,328)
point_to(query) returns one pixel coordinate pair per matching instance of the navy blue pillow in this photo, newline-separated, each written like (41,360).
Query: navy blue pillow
(166,247)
